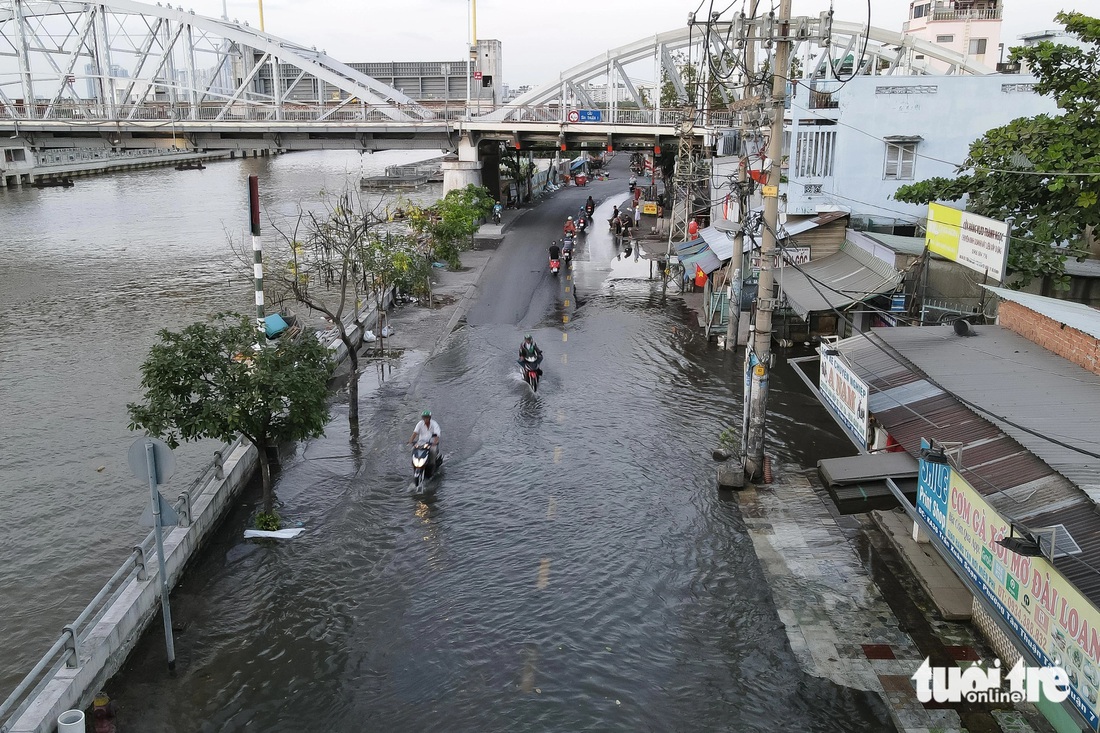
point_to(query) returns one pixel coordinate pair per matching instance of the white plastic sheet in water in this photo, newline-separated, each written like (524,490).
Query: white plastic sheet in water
(278,534)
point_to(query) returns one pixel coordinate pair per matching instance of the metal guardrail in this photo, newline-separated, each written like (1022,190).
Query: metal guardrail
(320,114)
(66,649)
(91,155)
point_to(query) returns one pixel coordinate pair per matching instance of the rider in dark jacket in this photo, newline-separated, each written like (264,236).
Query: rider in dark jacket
(530,348)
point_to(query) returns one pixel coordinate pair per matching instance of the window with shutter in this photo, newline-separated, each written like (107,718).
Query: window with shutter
(900,161)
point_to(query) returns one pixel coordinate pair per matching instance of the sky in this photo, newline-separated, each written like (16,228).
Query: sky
(541,39)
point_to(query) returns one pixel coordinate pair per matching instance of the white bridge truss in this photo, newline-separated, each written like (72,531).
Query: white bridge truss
(625,82)
(124,60)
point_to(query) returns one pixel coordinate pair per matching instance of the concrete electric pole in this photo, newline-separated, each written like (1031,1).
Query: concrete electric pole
(758,356)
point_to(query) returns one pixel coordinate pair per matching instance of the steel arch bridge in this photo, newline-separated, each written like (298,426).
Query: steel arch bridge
(119,70)
(124,60)
(640,65)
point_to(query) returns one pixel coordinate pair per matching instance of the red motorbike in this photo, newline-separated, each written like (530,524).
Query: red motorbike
(555,260)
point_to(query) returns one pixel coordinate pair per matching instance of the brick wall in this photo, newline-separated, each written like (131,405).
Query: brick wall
(1069,343)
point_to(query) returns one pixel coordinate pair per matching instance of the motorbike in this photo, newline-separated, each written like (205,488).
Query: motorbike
(530,370)
(423,468)
(555,265)
(582,225)
(567,251)
(496,215)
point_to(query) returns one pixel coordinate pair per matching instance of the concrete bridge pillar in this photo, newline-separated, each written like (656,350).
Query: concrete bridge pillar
(466,169)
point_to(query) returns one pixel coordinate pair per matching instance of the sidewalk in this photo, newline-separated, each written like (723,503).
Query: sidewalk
(838,622)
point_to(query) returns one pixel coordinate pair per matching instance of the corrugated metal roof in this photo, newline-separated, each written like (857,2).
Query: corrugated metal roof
(795,228)
(1074,315)
(904,245)
(718,241)
(1026,477)
(849,276)
(706,260)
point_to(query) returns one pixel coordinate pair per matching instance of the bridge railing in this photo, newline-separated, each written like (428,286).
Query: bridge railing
(182,112)
(66,650)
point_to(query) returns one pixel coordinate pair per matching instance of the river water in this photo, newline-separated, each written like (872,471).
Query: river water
(88,275)
(576,570)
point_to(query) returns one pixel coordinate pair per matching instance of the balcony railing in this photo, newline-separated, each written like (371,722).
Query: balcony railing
(966,14)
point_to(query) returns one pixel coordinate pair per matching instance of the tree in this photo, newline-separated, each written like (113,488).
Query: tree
(447,227)
(211,381)
(326,271)
(1045,170)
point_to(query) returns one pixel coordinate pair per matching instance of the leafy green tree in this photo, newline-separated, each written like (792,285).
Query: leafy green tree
(1045,170)
(211,381)
(448,226)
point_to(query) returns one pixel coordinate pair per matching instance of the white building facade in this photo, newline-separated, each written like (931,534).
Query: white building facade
(853,145)
(968,27)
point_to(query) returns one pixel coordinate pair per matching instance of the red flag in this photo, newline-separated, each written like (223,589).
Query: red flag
(700,277)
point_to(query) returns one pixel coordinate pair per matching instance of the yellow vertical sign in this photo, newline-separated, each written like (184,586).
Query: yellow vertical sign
(943,231)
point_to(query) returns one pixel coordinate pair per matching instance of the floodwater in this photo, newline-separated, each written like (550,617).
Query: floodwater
(575,570)
(88,275)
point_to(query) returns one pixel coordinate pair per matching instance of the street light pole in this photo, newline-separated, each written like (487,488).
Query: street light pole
(758,357)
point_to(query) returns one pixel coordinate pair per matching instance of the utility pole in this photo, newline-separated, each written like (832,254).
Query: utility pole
(733,317)
(758,356)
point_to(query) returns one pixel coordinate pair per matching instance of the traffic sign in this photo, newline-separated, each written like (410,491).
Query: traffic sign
(585,115)
(477,74)
(163,462)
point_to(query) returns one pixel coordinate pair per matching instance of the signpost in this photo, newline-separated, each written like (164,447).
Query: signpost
(151,460)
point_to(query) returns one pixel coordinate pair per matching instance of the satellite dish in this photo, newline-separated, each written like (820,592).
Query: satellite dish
(963,327)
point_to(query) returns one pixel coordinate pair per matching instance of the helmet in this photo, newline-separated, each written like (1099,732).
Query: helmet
(426,413)
(527,337)
(569,219)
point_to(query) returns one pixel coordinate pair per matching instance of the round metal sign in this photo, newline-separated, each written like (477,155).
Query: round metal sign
(163,461)
(574,116)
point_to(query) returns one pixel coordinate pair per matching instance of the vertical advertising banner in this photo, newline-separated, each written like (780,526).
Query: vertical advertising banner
(975,241)
(845,394)
(1046,613)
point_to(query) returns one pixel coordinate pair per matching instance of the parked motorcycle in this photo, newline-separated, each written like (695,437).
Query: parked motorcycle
(423,467)
(531,372)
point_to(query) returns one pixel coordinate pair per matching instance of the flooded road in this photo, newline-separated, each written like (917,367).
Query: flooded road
(576,569)
(89,275)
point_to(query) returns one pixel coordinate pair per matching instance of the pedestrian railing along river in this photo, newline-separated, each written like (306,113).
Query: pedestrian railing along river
(66,650)
(96,155)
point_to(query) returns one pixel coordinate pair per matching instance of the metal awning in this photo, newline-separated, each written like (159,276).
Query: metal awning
(849,276)
(706,260)
(857,484)
(718,242)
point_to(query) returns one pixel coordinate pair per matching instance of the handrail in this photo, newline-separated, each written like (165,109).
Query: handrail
(63,648)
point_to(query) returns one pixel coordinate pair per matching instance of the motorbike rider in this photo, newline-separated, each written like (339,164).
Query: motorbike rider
(570,227)
(527,349)
(498,209)
(589,206)
(555,251)
(427,431)
(633,182)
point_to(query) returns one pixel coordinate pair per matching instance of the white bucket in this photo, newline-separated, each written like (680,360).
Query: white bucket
(71,721)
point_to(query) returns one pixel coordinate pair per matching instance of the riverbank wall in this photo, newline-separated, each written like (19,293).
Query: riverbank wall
(96,645)
(56,167)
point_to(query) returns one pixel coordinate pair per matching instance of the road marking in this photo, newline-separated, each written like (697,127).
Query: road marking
(557,454)
(544,574)
(565,319)
(568,277)
(565,337)
(567,302)
(552,508)
(565,358)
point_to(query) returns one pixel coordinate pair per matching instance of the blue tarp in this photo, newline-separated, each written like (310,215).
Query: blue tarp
(274,325)
(577,164)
